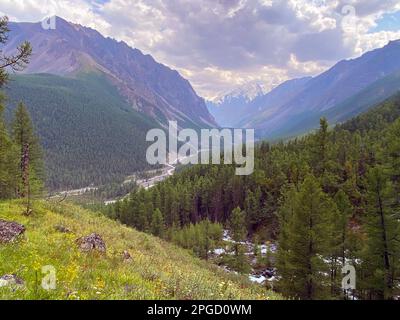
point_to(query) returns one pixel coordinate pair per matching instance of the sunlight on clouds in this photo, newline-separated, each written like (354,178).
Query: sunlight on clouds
(306,68)
(219,45)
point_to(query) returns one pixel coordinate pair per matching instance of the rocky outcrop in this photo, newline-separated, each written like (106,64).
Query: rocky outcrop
(91,243)
(10,231)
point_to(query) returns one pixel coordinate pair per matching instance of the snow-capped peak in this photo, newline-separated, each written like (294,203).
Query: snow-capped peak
(248,92)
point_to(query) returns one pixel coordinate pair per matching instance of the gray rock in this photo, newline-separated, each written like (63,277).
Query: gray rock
(10,231)
(11,280)
(92,242)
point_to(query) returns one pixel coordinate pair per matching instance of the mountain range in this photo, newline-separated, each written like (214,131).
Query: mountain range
(345,90)
(148,86)
(92,100)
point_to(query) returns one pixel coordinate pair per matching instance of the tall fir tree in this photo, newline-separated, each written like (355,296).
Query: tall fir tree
(307,242)
(381,253)
(157,223)
(30,153)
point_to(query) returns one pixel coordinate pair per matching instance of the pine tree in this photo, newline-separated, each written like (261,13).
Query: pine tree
(321,147)
(237,225)
(306,242)
(141,219)
(283,263)
(30,153)
(339,239)
(253,209)
(381,254)
(157,223)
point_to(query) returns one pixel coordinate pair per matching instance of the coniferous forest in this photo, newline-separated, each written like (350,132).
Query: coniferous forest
(326,199)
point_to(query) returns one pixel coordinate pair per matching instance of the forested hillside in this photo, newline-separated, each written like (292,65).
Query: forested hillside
(89,133)
(327,198)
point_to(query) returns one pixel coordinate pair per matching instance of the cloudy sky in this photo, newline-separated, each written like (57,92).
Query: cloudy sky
(220,44)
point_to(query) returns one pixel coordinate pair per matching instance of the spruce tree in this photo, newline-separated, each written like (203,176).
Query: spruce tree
(381,253)
(30,153)
(339,239)
(157,223)
(237,225)
(305,243)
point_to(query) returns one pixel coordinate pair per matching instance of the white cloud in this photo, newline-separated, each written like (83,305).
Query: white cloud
(220,44)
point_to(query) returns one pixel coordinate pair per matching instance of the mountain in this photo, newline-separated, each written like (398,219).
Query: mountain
(326,94)
(229,108)
(156,270)
(89,133)
(92,100)
(271,102)
(240,106)
(361,102)
(148,86)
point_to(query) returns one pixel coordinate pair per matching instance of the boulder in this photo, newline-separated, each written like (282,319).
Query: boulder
(11,280)
(92,242)
(10,231)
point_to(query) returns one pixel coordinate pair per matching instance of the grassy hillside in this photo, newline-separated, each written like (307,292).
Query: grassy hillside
(158,270)
(90,134)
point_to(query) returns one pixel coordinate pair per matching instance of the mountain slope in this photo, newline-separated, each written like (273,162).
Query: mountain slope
(361,102)
(89,133)
(328,91)
(149,87)
(157,270)
(264,106)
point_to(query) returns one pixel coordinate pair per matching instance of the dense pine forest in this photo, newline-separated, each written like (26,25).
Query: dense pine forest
(89,134)
(327,198)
